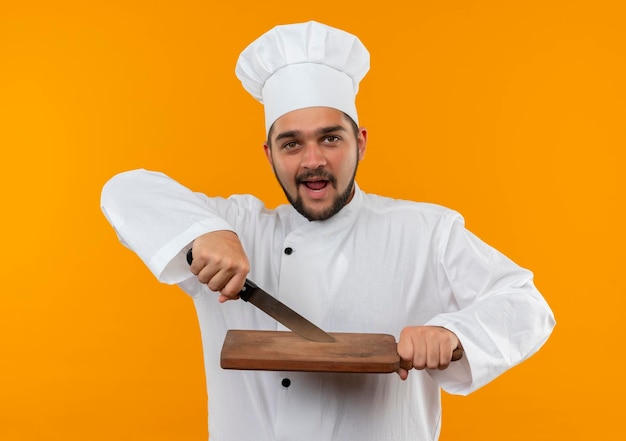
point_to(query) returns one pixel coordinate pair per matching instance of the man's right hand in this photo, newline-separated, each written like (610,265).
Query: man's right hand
(220,262)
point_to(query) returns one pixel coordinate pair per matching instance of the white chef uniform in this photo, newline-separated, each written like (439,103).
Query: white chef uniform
(377,266)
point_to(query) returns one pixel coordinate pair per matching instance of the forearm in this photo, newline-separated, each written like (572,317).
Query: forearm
(158,218)
(497,333)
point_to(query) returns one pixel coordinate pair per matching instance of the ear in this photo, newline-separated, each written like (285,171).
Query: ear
(361,142)
(268,153)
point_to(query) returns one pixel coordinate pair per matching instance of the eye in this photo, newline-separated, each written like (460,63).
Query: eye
(290,145)
(331,139)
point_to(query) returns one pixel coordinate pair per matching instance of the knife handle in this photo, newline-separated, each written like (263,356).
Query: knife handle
(247,289)
(245,292)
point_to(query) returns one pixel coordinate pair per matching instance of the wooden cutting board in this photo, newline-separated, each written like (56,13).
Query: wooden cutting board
(286,351)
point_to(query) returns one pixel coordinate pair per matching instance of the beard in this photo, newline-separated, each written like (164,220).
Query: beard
(338,203)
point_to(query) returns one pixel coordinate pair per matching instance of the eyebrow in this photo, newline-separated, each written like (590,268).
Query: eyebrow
(320,131)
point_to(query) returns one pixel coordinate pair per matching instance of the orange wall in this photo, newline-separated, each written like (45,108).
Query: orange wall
(512,113)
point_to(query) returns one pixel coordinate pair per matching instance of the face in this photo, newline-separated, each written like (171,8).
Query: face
(315,153)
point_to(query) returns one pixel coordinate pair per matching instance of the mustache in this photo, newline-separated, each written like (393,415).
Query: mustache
(317,173)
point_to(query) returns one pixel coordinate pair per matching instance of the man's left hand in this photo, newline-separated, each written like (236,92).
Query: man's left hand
(431,347)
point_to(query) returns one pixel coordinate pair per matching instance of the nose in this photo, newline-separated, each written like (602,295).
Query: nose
(313,157)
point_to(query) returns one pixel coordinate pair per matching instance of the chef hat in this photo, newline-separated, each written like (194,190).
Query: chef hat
(302,65)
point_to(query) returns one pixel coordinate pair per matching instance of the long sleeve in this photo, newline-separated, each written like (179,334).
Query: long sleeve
(502,319)
(133,200)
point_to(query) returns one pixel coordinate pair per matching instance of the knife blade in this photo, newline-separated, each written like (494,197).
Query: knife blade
(251,293)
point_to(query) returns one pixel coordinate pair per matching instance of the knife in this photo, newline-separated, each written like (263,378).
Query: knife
(251,293)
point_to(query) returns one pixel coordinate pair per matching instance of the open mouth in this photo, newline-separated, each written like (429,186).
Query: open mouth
(316,180)
(316,185)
